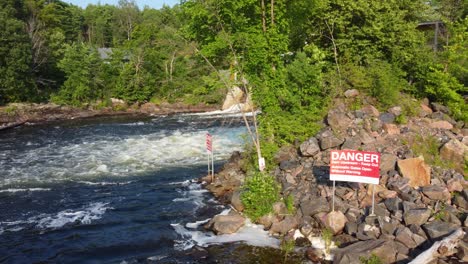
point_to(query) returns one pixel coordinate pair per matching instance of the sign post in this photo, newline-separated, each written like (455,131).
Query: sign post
(355,166)
(209,149)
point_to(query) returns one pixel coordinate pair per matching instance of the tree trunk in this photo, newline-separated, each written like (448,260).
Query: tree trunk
(272,10)
(263,16)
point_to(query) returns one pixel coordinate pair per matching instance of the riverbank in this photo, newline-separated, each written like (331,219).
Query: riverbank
(17,114)
(422,197)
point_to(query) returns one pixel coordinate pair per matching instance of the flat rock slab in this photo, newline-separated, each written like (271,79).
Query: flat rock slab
(438,229)
(385,250)
(416,170)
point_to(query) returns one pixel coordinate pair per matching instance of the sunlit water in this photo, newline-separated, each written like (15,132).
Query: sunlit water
(109,190)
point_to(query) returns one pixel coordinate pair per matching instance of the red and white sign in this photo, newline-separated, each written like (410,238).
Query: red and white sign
(209,145)
(355,166)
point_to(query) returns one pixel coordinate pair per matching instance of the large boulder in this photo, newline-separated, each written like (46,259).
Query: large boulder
(227,224)
(335,221)
(385,250)
(234,96)
(416,170)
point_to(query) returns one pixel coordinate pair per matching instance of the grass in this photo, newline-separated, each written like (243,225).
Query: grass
(327,236)
(373,259)
(287,246)
(428,147)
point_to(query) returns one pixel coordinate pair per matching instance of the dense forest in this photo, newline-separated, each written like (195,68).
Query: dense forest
(294,56)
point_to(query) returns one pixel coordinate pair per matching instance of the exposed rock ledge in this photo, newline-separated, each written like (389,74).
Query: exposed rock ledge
(18,113)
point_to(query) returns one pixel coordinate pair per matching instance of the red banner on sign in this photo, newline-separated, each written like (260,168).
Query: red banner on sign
(355,166)
(209,147)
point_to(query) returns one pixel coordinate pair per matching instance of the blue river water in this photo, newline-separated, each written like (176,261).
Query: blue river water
(108,190)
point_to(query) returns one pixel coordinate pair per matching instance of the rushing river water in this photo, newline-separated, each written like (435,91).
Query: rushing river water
(114,190)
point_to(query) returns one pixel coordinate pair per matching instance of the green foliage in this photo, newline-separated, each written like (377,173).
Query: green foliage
(82,68)
(260,192)
(327,236)
(16,83)
(11,110)
(378,79)
(428,147)
(373,259)
(287,246)
(289,202)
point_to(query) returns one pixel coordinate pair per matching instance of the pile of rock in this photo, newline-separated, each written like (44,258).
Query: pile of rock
(415,204)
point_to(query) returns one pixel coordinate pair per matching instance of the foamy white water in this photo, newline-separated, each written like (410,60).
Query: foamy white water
(115,156)
(250,234)
(85,215)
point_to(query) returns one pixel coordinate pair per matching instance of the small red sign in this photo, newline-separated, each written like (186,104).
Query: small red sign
(355,166)
(209,147)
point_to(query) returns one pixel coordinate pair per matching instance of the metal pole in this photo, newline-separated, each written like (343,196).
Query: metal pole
(208,156)
(212,164)
(373,199)
(333,199)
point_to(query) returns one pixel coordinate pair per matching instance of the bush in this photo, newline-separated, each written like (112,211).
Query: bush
(260,192)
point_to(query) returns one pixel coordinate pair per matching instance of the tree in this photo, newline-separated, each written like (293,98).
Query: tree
(83,70)
(16,83)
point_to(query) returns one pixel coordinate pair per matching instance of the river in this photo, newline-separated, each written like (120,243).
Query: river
(110,190)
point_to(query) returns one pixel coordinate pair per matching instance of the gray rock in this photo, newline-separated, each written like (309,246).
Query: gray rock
(436,192)
(352,143)
(335,221)
(314,206)
(388,228)
(289,165)
(461,202)
(353,214)
(366,138)
(402,249)
(398,184)
(227,224)
(462,252)
(370,111)
(236,201)
(404,236)
(351,228)
(385,250)
(330,141)
(338,120)
(310,147)
(282,227)
(417,216)
(387,162)
(438,229)
(387,118)
(393,204)
(266,220)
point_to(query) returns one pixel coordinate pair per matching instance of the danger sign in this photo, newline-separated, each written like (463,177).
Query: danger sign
(209,145)
(354,166)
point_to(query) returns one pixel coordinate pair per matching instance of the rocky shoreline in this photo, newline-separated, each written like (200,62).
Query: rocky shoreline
(416,204)
(17,114)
